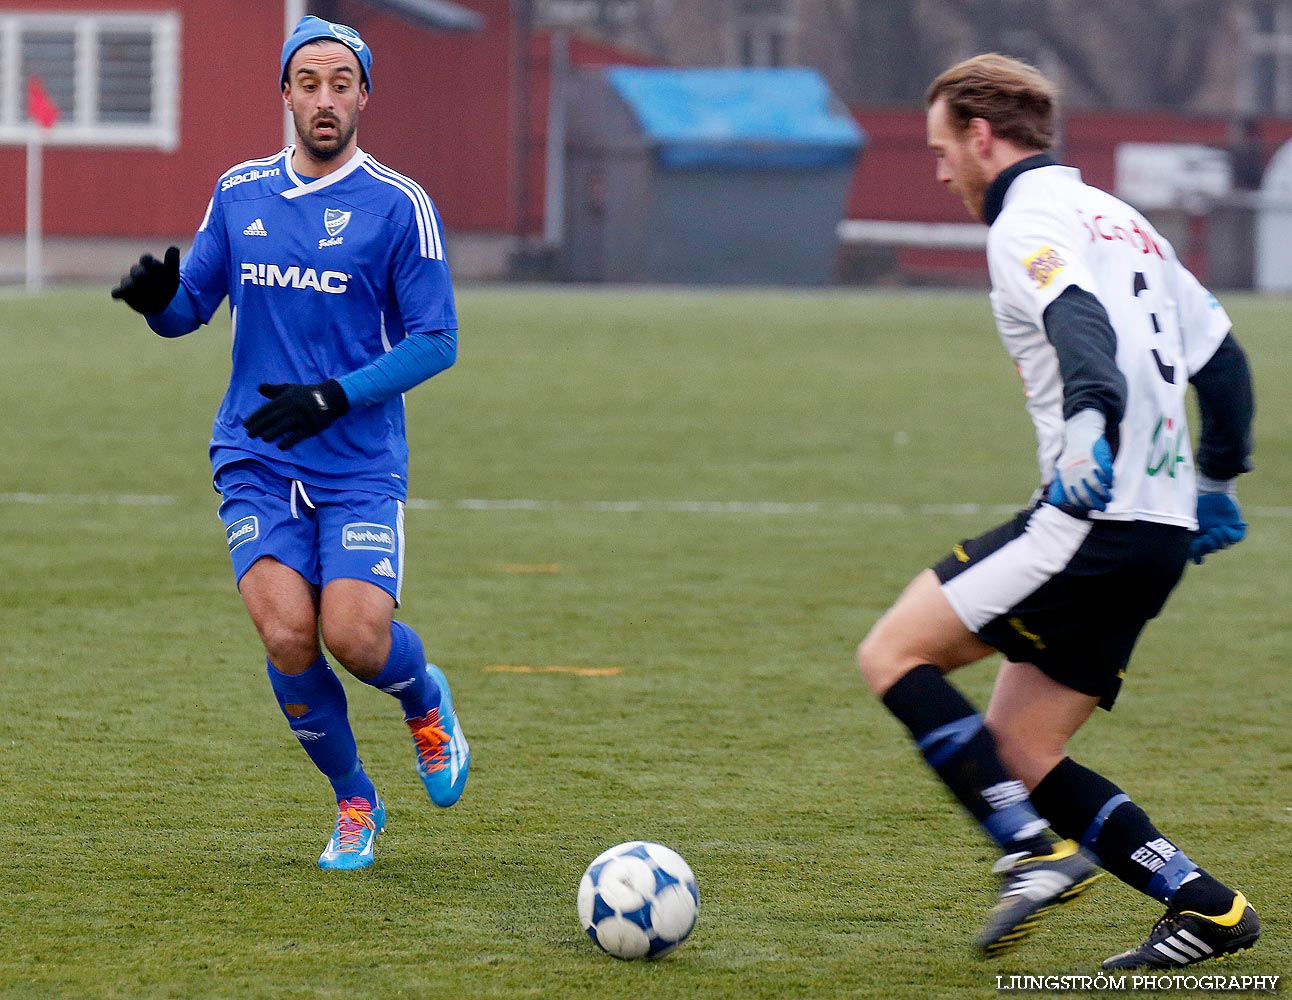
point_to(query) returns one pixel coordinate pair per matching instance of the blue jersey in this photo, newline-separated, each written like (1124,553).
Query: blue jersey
(322,277)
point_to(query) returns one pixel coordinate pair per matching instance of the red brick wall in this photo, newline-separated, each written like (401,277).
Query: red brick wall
(230,112)
(894,180)
(464,114)
(447,109)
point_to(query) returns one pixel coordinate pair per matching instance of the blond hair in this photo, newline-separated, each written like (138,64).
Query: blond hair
(1015,99)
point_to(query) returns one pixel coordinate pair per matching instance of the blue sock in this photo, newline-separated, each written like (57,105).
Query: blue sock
(314,704)
(404,676)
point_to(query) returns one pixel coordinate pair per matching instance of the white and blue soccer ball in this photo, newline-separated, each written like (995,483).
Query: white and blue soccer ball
(638,900)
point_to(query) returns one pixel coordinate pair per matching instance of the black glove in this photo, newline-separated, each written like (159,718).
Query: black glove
(151,283)
(295,412)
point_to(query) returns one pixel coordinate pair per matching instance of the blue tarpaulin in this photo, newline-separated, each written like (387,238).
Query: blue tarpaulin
(739,117)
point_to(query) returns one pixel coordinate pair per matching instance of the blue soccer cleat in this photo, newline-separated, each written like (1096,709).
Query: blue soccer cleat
(443,757)
(357,824)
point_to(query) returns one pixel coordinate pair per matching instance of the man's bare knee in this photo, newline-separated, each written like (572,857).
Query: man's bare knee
(355,621)
(291,648)
(1032,718)
(920,628)
(880,661)
(283,608)
(360,646)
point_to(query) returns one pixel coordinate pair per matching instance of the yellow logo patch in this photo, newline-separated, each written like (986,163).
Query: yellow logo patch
(1043,265)
(1017,625)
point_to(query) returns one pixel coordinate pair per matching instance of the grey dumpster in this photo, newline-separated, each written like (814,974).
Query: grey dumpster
(705,176)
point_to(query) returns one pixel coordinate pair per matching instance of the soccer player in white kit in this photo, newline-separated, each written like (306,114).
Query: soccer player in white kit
(1107,330)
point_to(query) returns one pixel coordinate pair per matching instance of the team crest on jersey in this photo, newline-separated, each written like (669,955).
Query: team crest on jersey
(1043,265)
(334,220)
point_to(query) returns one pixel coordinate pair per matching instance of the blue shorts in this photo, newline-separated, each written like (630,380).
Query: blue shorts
(324,534)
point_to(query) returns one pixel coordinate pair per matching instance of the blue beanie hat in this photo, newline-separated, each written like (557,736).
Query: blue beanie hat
(313,29)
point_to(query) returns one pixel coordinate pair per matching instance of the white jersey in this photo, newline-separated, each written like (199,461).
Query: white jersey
(1055,231)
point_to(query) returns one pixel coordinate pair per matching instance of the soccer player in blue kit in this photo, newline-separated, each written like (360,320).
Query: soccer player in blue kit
(341,301)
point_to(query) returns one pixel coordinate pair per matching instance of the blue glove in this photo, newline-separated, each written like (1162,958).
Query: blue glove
(1083,476)
(1220,522)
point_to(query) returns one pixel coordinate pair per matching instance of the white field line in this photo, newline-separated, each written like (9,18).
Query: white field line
(711,507)
(87,499)
(757,507)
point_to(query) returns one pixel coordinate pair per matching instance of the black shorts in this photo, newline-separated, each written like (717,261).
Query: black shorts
(1066,594)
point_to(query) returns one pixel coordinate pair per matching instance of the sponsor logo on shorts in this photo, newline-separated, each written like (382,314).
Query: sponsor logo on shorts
(362,535)
(1043,265)
(384,568)
(1017,625)
(246,530)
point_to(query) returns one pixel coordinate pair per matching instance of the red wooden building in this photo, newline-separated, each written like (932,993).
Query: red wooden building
(463,111)
(159,97)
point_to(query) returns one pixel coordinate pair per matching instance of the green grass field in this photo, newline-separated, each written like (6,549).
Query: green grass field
(717,494)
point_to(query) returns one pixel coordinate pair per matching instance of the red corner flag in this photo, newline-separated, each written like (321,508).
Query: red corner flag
(40,106)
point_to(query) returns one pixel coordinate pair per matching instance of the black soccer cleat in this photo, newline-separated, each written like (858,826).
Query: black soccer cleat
(1183,937)
(1034,885)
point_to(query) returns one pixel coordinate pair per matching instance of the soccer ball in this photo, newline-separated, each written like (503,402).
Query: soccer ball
(638,900)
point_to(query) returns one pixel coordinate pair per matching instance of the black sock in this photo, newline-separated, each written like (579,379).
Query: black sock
(1204,894)
(1088,808)
(958,746)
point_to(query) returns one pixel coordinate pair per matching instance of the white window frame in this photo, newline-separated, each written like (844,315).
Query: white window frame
(1277,44)
(81,128)
(759,28)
